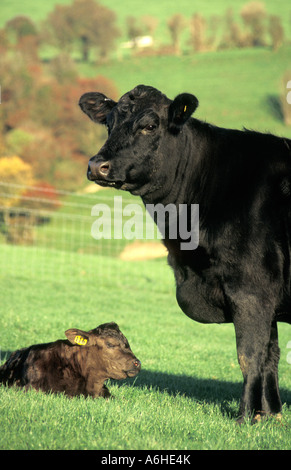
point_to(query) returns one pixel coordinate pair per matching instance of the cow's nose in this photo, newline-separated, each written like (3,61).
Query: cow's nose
(137,363)
(98,170)
(104,168)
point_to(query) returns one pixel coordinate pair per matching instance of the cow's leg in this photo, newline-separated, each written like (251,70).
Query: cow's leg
(105,392)
(258,356)
(96,388)
(271,401)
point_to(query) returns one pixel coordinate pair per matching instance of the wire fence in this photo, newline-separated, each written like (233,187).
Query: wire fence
(57,229)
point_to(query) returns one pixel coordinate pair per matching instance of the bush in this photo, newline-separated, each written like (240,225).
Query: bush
(14,174)
(41,120)
(276,32)
(254,16)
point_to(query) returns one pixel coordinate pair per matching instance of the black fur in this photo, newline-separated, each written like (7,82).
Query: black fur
(240,272)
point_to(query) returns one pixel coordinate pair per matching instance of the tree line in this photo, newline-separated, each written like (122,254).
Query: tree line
(39,120)
(87,24)
(44,139)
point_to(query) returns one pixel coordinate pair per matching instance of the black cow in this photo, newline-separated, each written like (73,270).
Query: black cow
(240,271)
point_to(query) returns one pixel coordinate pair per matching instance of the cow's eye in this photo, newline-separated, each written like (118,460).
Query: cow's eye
(110,345)
(148,129)
(151,127)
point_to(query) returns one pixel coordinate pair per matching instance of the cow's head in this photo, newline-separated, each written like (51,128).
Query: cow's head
(109,350)
(142,138)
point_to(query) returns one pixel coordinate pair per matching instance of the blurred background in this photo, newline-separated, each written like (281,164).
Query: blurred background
(234,56)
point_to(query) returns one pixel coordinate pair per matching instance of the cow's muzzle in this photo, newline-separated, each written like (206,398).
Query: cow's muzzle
(135,369)
(98,171)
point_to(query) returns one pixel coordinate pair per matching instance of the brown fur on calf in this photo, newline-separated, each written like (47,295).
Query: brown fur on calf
(76,366)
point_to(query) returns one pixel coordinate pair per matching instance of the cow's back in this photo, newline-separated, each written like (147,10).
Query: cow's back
(41,366)
(13,371)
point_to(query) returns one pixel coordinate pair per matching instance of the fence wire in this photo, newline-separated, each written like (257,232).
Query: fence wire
(53,229)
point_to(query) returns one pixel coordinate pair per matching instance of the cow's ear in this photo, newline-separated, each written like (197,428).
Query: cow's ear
(77,337)
(96,106)
(180,111)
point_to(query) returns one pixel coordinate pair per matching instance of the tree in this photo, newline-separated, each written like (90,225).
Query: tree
(14,174)
(25,35)
(134,28)
(57,30)
(276,31)
(4,43)
(42,195)
(150,23)
(176,24)
(254,15)
(88,22)
(17,87)
(21,26)
(63,69)
(233,37)
(197,30)
(138,27)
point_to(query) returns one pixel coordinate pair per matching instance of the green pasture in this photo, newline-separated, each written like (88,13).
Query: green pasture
(187,394)
(235,88)
(185,397)
(162,10)
(75,225)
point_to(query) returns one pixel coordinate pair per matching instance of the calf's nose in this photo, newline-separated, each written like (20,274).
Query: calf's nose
(98,170)
(137,363)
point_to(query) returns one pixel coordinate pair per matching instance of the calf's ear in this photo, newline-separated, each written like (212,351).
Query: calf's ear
(77,337)
(96,106)
(180,111)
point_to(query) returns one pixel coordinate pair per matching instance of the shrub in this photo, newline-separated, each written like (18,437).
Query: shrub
(276,32)
(254,16)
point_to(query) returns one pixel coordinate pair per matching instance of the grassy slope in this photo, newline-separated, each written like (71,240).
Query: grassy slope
(162,10)
(235,88)
(188,391)
(186,396)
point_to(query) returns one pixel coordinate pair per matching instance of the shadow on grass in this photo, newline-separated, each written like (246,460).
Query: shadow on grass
(202,390)
(274,105)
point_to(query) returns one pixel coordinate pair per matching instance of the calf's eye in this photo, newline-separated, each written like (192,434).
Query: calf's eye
(110,345)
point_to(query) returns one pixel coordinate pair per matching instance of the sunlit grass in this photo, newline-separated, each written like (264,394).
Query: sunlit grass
(185,397)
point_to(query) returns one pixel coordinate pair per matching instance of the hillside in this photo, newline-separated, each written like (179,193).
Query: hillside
(236,86)
(161,10)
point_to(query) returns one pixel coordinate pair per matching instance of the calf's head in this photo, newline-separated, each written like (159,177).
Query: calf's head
(109,350)
(142,130)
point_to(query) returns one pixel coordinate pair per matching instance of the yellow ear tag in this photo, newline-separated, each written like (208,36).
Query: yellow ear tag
(185,108)
(80,340)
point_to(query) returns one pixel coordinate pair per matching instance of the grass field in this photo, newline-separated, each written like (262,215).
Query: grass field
(236,88)
(187,394)
(161,10)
